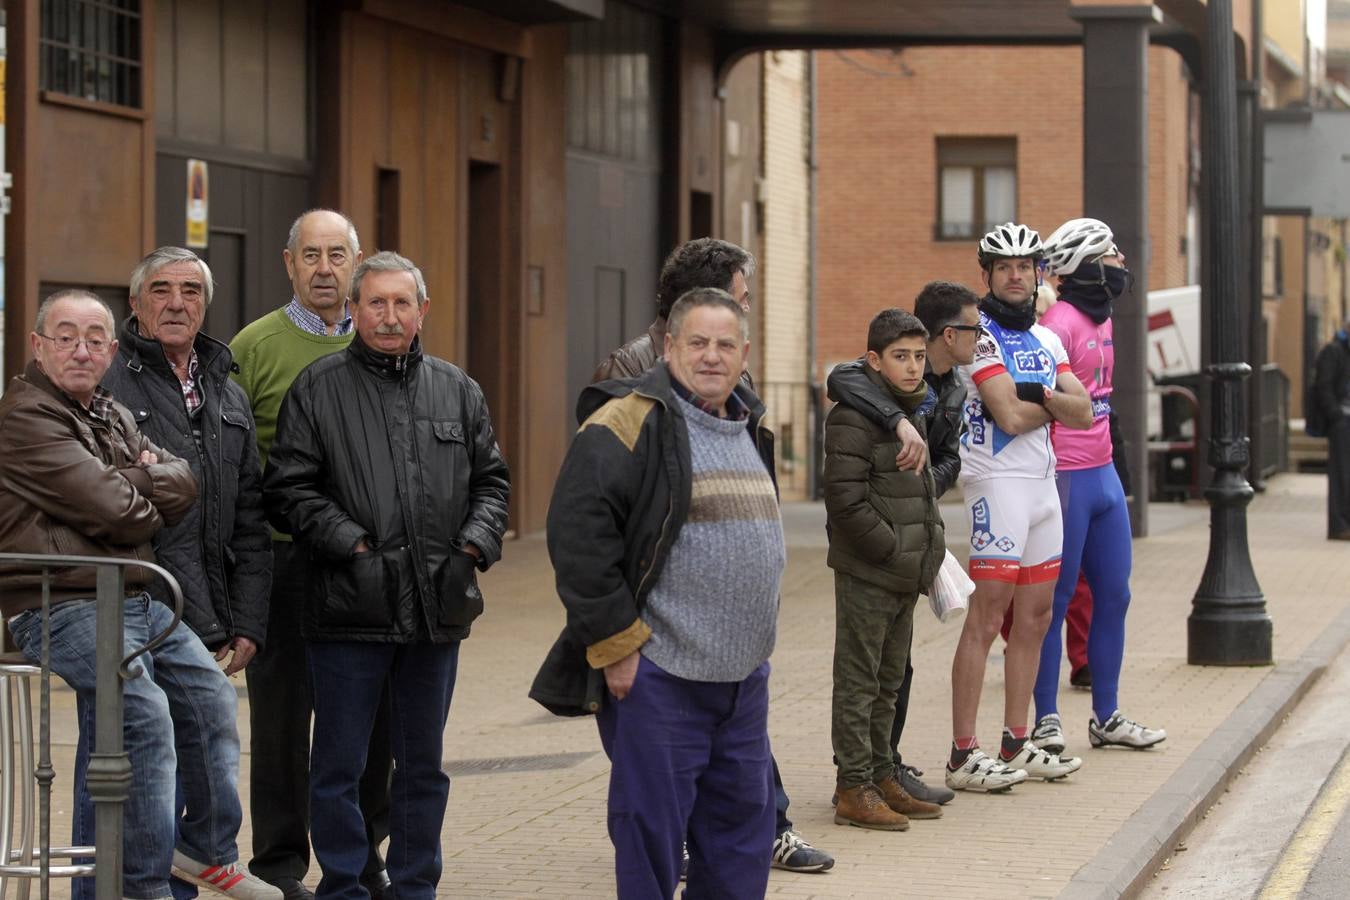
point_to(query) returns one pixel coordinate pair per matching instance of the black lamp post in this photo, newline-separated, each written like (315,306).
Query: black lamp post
(1228,625)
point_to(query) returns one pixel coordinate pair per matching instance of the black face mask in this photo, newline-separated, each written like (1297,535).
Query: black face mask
(1094,288)
(1017,318)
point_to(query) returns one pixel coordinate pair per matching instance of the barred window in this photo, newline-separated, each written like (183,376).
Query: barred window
(91,49)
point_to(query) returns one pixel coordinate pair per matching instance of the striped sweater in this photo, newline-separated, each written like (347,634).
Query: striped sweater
(713,613)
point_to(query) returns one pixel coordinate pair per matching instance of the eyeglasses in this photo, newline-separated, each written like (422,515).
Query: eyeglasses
(963,327)
(67,343)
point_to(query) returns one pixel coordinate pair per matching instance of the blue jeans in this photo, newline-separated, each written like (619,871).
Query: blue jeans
(178,719)
(349,680)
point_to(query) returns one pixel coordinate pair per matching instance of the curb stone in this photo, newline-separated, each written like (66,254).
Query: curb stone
(1124,866)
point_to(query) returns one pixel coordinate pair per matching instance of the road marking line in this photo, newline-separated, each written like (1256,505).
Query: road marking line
(1296,863)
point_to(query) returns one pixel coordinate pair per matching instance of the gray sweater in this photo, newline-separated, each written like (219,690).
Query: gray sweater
(714,611)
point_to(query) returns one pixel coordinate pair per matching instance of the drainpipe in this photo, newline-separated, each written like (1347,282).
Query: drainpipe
(815,445)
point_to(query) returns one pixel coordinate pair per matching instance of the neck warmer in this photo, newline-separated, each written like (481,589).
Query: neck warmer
(910,401)
(1093,289)
(1018,318)
(921,400)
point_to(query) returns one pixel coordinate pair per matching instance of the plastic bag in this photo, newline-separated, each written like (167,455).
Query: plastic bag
(951,590)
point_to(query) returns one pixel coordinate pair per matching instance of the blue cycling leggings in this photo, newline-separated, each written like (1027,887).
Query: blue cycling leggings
(1096,542)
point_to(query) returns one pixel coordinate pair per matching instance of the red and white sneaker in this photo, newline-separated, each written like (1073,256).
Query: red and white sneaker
(231,879)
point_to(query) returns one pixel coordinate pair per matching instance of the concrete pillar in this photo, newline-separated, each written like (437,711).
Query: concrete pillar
(1115,190)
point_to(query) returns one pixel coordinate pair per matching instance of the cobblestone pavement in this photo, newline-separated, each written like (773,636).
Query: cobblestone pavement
(527,801)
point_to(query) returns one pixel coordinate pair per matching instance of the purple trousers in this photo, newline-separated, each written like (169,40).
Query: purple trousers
(690,761)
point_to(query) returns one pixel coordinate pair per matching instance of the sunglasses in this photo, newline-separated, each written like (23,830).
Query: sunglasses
(963,327)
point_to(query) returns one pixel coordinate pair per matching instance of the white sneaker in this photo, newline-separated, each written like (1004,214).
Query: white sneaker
(1048,734)
(1122,732)
(981,772)
(1037,763)
(231,879)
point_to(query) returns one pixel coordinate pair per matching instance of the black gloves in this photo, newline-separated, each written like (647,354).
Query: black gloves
(1031,392)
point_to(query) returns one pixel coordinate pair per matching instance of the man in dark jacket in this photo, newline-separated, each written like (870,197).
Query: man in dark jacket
(1332,390)
(176,382)
(951,313)
(700,263)
(78,478)
(713,263)
(666,540)
(386,470)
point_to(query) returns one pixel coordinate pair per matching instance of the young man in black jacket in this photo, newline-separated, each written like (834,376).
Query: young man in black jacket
(951,313)
(1332,389)
(386,469)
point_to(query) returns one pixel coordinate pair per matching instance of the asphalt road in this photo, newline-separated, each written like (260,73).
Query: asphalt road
(1281,830)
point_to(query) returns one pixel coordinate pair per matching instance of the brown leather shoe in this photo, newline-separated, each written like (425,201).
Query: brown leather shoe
(863,806)
(905,803)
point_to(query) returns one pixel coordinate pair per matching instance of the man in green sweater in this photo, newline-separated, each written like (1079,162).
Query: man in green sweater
(321,253)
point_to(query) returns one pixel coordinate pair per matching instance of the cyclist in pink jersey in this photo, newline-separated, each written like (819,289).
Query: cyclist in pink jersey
(1097,537)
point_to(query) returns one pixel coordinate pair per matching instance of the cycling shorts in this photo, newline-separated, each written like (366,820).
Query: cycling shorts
(1016,530)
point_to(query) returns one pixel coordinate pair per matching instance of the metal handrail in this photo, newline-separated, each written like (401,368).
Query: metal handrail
(109,775)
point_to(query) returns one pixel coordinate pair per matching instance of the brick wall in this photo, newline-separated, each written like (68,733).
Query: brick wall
(880,114)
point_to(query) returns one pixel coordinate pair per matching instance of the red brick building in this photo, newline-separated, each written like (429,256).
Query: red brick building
(922,149)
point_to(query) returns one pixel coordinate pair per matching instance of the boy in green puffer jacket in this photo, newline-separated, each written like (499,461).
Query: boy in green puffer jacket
(886,544)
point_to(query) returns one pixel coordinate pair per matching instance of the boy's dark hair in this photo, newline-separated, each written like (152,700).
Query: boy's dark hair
(701,263)
(939,304)
(890,325)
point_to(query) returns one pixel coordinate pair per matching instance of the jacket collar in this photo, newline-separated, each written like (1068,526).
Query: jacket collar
(100,406)
(654,384)
(657,332)
(384,364)
(143,352)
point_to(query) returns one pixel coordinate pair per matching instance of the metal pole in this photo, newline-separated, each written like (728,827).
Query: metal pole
(1256,322)
(1228,624)
(109,775)
(4,183)
(44,773)
(813,275)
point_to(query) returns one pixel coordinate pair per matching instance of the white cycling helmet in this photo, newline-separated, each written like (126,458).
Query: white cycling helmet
(1078,241)
(1010,241)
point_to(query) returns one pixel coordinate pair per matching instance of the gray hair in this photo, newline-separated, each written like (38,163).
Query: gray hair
(705,296)
(165,256)
(387,261)
(293,238)
(45,308)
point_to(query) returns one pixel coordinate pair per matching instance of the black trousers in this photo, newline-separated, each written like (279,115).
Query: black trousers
(281,706)
(1338,478)
(902,703)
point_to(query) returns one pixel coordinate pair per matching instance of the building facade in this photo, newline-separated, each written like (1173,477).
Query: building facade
(537,157)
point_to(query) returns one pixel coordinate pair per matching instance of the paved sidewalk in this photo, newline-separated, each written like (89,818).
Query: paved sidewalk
(527,803)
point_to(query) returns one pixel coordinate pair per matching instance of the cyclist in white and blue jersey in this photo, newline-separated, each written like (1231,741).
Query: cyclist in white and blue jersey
(1018,384)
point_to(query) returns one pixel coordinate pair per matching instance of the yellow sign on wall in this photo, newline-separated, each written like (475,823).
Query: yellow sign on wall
(198,193)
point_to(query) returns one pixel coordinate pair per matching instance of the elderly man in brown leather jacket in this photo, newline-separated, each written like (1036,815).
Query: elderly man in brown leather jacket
(77,477)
